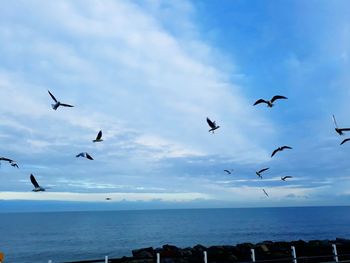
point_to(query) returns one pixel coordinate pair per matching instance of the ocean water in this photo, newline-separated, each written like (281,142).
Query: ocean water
(64,236)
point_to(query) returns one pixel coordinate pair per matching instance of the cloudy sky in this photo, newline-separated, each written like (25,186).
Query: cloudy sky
(148,73)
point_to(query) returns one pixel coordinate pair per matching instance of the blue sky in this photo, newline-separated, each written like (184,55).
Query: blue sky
(148,73)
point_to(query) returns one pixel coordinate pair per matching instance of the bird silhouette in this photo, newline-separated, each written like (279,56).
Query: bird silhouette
(270,102)
(37,187)
(279,149)
(258,173)
(340,131)
(228,171)
(98,137)
(286,177)
(85,155)
(212,125)
(58,103)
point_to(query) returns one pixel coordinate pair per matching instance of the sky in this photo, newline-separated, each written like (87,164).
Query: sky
(148,74)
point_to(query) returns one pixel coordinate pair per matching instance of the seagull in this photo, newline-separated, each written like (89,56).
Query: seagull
(344,141)
(286,177)
(339,130)
(259,172)
(37,188)
(57,103)
(98,137)
(108,198)
(270,102)
(14,165)
(84,154)
(212,125)
(228,171)
(265,192)
(280,149)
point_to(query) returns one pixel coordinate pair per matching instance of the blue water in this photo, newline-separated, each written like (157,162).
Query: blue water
(38,237)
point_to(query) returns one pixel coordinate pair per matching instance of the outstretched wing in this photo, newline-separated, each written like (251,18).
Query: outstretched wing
(278,97)
(66,105)
(89,156)
(344,129)
(263,170)
(344,141)
(210,123)
(99,136)
(265,192)
(335,122)
(286,147)
(227,171)
(34,182)
(6,159)
(52,96)
(260,101)
(80,155)
(275,151)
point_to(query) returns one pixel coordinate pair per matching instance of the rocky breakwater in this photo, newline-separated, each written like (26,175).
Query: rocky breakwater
(311,251)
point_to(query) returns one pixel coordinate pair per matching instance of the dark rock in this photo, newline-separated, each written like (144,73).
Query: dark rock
(143,253)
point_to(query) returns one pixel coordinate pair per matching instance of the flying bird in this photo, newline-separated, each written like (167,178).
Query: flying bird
(270,102)
(37,187)
(339,130)
(265,192)
(286,177)
(58,103)
(85,155)
(108,198)
(344,141)
(98,137)
(212,125)
(279,149)
(228,171)
(259,172)
(14,165)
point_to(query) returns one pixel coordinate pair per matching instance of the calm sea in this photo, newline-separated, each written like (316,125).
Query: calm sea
(38,237)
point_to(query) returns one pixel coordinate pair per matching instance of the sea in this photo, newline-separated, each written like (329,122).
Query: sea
(73,236)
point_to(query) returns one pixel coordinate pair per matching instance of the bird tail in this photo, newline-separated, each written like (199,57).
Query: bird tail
(54,106)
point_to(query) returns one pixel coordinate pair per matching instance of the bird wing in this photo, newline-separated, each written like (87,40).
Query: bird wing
(227,171)
(335,122)
(286,147)
(210,123)
(263,170)
(6,159)
(66,105)
(288,176)
(344,141)
(99,135)
(265,192)
(260,101)
(278,97)
(80,155)
(34,182)
(344,129)
(52,96)
(89,156)
(275,151)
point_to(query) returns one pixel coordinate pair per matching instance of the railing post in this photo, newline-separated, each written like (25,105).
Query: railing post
(205,257)
(294,255)
(252,253)
(106,259)
(158,258)
(335,253)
